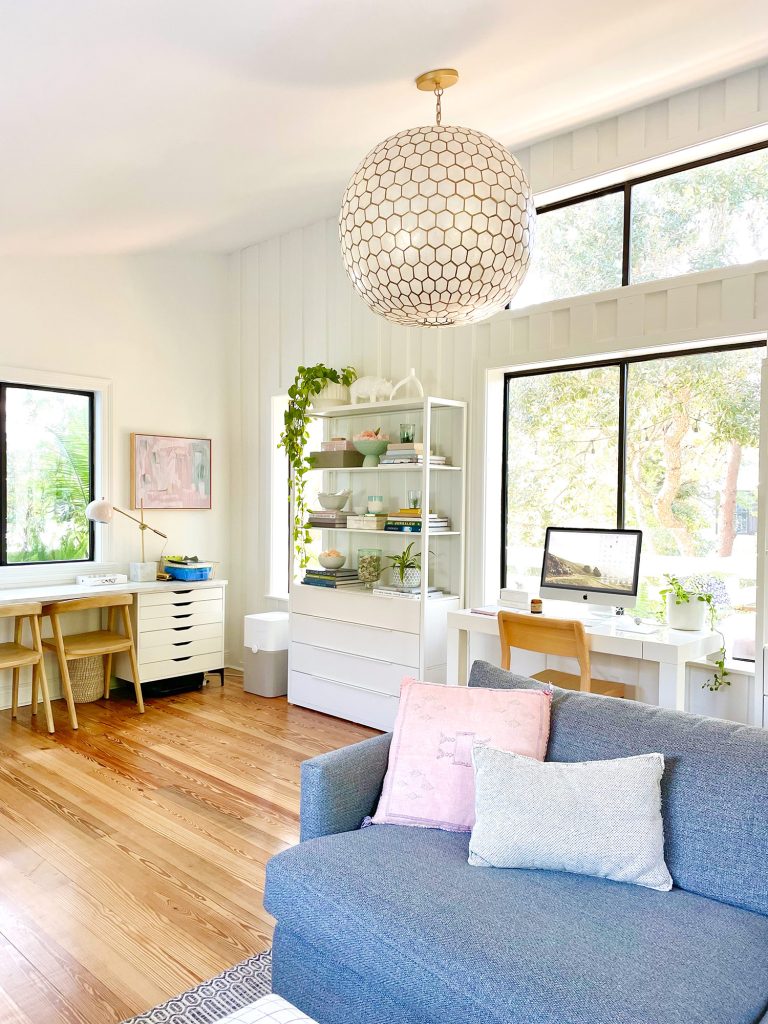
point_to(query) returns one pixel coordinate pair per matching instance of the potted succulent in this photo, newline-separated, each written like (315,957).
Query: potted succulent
(686,608)
(406,567)
(309,383)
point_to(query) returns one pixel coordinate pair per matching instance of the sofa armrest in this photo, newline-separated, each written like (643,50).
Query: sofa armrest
(340,788)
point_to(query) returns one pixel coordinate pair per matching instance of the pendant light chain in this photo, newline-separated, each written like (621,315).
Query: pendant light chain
(438,107)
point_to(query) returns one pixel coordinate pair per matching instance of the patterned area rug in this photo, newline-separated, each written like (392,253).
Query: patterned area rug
(211,1000)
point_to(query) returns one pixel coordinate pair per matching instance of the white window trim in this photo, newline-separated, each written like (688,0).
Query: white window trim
(24,575)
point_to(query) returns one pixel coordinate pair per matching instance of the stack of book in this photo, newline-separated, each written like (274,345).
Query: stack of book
(408,520)
(328,519)
(409,593)
(331,579)
(368,521)
(409,454)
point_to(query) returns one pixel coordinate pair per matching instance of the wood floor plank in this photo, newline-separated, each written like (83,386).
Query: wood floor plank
(133,851)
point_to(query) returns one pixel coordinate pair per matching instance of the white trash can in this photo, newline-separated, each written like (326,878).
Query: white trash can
(266,654)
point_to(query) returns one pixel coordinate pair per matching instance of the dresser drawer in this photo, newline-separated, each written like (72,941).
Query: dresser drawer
(180,666)
(179,648)
(355,704)
(187,615)
(369,673)
(173,634)
(176,603)
(353,638)
(366,610)
(182,595)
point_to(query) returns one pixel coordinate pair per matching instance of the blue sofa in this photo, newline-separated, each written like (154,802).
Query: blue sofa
(390,925)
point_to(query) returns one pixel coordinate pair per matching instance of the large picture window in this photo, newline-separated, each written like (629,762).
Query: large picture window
(700,216)
(668,445)
(46,474)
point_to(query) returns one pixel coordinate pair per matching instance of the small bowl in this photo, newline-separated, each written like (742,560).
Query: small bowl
(335,501)
(331,561)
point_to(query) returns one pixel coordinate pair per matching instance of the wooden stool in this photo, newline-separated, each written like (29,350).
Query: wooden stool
(14,655)
(564,637)
(105,642)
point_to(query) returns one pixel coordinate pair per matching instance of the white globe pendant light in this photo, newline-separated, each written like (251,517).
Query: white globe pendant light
(436,224)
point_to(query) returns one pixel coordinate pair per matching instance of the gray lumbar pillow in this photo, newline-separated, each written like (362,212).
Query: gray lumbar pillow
(599,818)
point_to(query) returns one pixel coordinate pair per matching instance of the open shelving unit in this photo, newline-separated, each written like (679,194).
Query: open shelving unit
(349,648)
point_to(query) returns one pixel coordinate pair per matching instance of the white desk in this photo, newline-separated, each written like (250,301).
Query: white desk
(665,652)
(178,627)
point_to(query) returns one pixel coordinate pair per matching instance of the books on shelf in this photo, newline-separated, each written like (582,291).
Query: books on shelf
(369,521)
(404,595)
(329,518)
(410,521)
(405,446)
(410,459)
(331,579)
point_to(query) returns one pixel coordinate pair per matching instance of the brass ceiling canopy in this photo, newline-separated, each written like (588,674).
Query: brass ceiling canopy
(441,78)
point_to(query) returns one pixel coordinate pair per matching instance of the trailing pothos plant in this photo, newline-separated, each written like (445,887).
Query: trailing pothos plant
(683,595)
(307,385)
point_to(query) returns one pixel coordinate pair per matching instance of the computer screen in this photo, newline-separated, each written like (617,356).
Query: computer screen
(580,563)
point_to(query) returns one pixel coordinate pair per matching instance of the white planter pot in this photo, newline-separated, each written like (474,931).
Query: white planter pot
(687,615)
(330,397)
(411,578)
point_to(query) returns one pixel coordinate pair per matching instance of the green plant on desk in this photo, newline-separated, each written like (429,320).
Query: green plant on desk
(684,596)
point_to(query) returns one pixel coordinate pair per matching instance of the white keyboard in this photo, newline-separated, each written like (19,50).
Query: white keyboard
(269,1010)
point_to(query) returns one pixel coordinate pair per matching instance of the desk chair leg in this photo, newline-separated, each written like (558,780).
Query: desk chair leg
(40,675)
(108,657)
(132,656)
(16,671)
(64,670)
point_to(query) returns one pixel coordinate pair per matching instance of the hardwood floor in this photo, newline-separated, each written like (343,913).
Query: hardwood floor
(132,851)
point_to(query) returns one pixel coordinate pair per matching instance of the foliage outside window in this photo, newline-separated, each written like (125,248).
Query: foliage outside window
(687,475)
(697,218)
(46,437)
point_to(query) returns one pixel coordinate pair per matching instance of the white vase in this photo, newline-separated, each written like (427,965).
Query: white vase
(689,615)
(411,578)
(332,396)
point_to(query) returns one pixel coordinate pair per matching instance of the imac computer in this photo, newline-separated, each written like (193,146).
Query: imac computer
(592,567)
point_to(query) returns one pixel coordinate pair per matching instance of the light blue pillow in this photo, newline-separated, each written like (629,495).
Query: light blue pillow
(600,818)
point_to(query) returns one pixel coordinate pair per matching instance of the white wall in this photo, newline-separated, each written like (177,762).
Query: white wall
(297,306)
(158,331)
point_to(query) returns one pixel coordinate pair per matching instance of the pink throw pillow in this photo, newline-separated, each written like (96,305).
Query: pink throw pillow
(430,778)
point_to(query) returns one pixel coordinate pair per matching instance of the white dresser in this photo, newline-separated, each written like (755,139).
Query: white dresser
(178,629)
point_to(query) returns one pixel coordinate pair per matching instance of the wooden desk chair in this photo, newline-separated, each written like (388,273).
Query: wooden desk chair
(564,637)
(15,655)
(105,642)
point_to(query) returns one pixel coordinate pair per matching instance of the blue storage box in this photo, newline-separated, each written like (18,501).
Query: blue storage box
(188,573)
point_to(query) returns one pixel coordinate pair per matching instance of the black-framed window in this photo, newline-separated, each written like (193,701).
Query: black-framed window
(697,216)
(664,443)
(46,474)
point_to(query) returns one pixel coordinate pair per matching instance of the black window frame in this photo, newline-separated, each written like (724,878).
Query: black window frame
(91,396)
(622,363)
(625,188)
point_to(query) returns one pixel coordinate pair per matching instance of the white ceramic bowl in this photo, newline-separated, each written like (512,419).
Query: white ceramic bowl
(331,561)
(334,501)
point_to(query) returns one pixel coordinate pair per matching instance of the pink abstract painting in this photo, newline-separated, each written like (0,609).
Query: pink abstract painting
(170,472)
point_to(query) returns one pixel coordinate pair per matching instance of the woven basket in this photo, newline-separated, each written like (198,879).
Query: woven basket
(87,678)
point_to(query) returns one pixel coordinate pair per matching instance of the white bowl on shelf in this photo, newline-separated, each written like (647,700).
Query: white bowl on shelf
(335,500)
(331,561)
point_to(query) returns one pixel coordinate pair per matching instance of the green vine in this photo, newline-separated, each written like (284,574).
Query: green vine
(683,596)
(308,383)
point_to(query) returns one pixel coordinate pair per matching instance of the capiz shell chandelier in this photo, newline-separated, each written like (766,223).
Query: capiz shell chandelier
(436,224)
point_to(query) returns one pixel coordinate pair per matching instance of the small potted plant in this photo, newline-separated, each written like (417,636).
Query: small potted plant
(686,608)
(406,567)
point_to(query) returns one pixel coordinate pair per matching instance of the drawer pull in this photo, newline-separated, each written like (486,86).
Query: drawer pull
(180,629)
(180,592)
(186,658)
(181,604)
(182,643)
(188,615)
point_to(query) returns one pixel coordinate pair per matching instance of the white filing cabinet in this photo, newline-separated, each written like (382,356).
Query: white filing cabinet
(178,629)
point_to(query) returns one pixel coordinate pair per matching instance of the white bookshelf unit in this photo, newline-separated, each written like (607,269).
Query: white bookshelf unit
(349,649)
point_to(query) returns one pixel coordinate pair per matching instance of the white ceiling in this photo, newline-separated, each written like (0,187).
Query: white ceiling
(128,125)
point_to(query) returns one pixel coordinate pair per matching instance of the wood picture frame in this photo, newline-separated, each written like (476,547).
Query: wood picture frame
(171,472)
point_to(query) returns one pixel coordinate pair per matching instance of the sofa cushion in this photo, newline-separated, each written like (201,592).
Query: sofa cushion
(714,789)
(402,907)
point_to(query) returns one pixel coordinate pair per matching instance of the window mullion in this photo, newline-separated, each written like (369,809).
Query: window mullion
(3,480)
(621,484)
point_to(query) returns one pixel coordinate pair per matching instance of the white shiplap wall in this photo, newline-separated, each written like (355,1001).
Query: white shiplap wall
(297,306)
